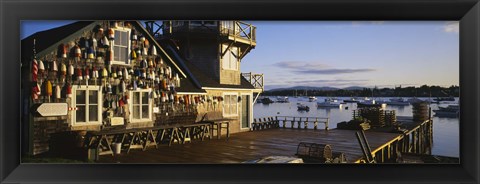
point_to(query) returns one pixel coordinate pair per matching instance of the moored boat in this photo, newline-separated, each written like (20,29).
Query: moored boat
(369,103)
(312,98)
(328,102)
(303,107)
(397,101)
(267,100)
(283,99)
(351,100)
(452,111)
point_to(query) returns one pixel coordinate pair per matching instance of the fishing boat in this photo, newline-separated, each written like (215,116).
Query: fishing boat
(439,99)
(451,111)
(369,103)
(267,100)
(329,102)
(351,100)
(283,99)
(303,107)
(312,98)
(397,101)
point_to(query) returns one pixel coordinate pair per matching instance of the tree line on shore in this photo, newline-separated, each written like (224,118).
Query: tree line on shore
(422,91)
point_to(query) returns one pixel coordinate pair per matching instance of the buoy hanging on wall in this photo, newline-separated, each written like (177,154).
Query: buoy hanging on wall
(78,52)
(69,91)
(55,66)
(91,53)
(62,51)
(95,74)
(48,89)
(58,92)
(79,75)
(34,70)
(154,50)
(63,70)
(125,74)
(105,42)
(36,92)
(111,34)
(41,68)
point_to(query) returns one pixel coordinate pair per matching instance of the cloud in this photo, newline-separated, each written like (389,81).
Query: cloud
(451,27)
(359,23)
(339,83)
(318,68)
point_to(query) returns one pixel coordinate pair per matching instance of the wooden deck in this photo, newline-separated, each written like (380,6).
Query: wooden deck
(245,146)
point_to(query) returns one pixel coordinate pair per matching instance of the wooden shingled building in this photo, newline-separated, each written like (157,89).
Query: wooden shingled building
(111,75)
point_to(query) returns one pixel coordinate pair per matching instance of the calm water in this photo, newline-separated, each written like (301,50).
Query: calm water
(446,140)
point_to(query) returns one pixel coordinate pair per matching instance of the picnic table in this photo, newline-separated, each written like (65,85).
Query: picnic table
(141,138)
(217,124)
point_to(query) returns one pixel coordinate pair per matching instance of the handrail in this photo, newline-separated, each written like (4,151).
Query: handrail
(302,117)
(239,29)
(255,79)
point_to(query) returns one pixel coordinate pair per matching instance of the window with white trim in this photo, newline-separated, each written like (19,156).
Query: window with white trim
(141,106)
(230,58)
(87,101)
(230,104)
(121,46)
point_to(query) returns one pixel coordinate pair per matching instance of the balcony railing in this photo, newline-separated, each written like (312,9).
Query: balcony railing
(255,79)
(238,29)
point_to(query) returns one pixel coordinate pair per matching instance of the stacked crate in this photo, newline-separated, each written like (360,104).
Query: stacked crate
(420,111)
(377,116)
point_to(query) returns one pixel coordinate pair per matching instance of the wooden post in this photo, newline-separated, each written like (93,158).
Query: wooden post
(285,122)
(293,122)
(305,124)
(299,123)
(326,124)
(315,124)
(277,122)
(406,143)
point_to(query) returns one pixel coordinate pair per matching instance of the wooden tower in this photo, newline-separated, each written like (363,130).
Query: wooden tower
(215,47)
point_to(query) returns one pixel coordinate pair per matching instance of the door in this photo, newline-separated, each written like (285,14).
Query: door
(246,111)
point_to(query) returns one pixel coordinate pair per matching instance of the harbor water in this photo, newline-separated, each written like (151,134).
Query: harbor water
(446,132)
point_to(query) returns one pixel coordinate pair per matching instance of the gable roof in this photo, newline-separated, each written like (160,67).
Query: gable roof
(47,41)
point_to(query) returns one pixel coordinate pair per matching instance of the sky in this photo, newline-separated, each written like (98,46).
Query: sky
(345,53)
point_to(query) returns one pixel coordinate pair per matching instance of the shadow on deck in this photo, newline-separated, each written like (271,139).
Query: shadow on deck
(245,146)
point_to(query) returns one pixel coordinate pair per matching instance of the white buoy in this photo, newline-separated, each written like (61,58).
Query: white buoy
(154,50)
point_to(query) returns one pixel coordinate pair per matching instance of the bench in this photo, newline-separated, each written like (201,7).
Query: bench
(268,122)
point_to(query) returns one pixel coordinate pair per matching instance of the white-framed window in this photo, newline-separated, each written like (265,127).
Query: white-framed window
(230,104)
(140,106)
(88,104)
(121,46)
(230,58)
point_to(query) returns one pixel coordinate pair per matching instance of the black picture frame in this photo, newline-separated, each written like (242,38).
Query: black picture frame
(12,12)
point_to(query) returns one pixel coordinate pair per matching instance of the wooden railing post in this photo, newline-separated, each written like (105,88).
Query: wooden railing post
(315,124)
(285,122)
(299,123)
(293,122)
(305,124)
(326,124)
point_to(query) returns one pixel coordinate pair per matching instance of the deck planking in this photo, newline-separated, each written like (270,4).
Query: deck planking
(245,146)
